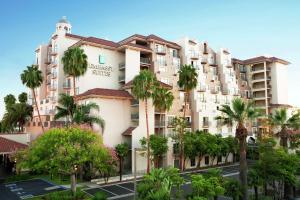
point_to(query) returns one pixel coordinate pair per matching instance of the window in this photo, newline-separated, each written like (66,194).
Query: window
(193,162)
(101,59)
(205,121)
(176,163)
(205,130)
(176,148)
(206,160)
(174,53)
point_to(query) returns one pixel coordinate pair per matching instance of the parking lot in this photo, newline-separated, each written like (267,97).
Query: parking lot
(125,191)
(27,189)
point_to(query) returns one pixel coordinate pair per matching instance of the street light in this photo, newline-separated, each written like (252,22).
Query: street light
(135,166)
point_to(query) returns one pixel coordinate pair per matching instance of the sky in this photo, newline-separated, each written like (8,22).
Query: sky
(247,28)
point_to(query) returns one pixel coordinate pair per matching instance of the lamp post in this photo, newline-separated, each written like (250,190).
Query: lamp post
(135,166)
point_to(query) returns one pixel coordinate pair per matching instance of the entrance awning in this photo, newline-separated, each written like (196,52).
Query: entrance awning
(9,146)
(128,132)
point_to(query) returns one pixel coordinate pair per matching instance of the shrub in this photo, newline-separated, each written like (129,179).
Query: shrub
(100,196)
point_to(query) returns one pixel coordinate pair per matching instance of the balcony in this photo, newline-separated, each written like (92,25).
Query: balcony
(122,66)
(160,50)
(160,124)
(201,88)
(53,52)
(48,70)
(194,55)
(67,85)
(134,103)
(54,75)
(214,90)
(145,61)
(48,81)
(122,78)
(236,93)
(203,61)
(53,99)
(47,61)
(243,70)
(53,87)
(205,124)
(135,117)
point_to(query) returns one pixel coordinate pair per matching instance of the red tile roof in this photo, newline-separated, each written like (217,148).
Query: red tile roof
(101,41)
(260,59)
(9,146)
(108,93)
(128,132)
(74,36)
(137,46)
(129,85)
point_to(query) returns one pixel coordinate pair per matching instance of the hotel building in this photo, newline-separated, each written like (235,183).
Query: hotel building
(113,65)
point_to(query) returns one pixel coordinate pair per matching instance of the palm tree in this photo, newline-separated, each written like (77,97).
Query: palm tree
(32,77)
(240,113)
(82,115)
(9,100)
(66,109)
(187,81)
(281,121)
(143,87)
(23,97)
(162,100)
(21,113)
(75,64)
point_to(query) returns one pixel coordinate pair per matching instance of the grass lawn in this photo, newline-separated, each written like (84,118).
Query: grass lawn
(64,195)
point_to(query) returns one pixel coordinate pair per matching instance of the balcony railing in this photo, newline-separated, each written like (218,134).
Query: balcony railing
(48,82)
(121,78)
(67,85)
(53,87)
(122,66)
(54,75)
(225,91)
(159,123)
(205,124)
(135,116)
(161,50)
(214,90)
(201,88)
(134,102)
(145,61)
(194,55)
(236,92)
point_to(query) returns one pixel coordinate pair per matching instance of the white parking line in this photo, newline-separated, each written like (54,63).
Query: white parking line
(121,196)
(108,191)
(125,188)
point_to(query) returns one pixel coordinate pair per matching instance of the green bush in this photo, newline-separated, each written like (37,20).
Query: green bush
(63,195)
(100,196)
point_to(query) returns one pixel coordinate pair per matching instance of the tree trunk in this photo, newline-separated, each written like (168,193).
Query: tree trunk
(243,168)
(38,111)
(73,184)
(256,192)
(148,137)
(199,161)
(182,131)
(121,168)
(74,88)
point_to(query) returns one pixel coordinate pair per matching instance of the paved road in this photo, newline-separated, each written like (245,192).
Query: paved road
(27,189)
(125,191)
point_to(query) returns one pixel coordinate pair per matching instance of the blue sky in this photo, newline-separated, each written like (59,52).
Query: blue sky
(246,28)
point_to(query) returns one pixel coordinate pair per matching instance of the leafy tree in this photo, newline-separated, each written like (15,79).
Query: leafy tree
(255,180)
(240,112)
(23,97)
(32,77)
(162,100)
(158,183)
(281,120)
(232,144)
(179,125)
(232,188)
(190,150)
(213,148)
(206,187)
(158,147)
(75,64)
(122,151)
(143,87)
(9,100)
(63,150)
(187,81)
(201,143)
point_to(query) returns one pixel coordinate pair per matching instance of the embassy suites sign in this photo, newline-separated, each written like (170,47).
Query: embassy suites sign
(100,69)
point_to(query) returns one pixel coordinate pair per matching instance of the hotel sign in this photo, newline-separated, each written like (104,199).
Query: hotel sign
(100,69)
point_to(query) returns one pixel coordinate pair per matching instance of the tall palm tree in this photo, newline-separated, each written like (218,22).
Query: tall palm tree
(187,81)
(66,107)
(162,100)
(32,77)
(83,115)
(9,100)
(143,87)
(75,64)
(281,121)
(240,112)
